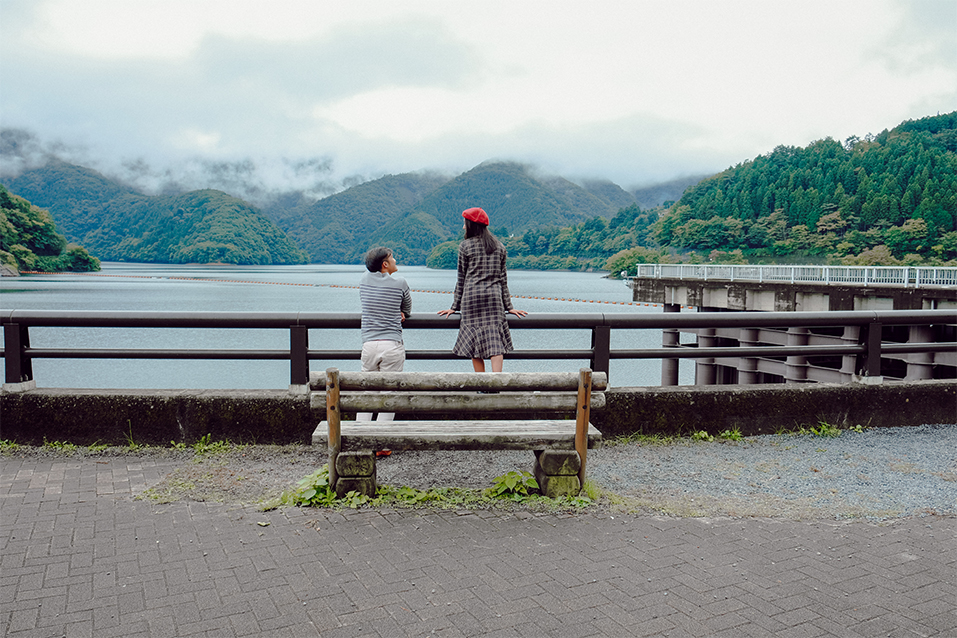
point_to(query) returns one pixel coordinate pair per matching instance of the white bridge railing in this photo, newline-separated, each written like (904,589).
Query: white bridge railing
(902,276)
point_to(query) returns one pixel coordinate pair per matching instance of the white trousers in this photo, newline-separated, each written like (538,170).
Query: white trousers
(381,356)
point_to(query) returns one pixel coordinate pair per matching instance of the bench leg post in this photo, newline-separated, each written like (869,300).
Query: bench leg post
(557,473)
(582,419)
(356,472)
(333,418)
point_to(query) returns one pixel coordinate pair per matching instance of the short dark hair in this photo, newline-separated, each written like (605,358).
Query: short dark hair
(376,256)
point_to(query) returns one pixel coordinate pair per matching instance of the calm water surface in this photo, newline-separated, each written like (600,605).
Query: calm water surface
(310,288)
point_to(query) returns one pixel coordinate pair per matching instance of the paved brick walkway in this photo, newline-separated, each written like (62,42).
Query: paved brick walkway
(81,557)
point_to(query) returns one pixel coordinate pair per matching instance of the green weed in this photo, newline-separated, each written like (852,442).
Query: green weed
(205,447)
(702,435)
(315,490)
(733,434)
(825,429)
(8,447)
(130,443)
(512,485)
(60,446)
(640,439)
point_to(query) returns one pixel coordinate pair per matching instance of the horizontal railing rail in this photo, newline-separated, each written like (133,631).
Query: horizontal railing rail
(902,276)
(18,353)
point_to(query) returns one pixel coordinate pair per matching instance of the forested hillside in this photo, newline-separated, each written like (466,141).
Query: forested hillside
(335,229)
(118,224)
(516,200)
(29,240)
(887,199)
(882,200)
(586,245)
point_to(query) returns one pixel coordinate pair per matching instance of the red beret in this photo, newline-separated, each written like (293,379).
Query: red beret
(476,215)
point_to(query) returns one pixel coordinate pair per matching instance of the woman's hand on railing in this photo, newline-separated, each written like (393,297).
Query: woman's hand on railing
(446,313)
(518,313)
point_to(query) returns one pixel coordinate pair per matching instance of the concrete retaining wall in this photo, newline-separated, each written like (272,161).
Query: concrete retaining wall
(766,409)
(155,417)
(158,417)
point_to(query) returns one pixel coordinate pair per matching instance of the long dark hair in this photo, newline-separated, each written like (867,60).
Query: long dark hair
(489,241)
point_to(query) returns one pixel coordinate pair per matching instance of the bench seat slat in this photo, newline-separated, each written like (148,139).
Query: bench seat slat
(443,381)
(457,435)
(457,401)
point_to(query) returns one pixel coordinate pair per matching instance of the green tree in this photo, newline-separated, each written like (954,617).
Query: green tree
(445,255)
(29,239)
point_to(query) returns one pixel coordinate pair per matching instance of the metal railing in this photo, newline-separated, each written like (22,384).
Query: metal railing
(901,276)
(869,348)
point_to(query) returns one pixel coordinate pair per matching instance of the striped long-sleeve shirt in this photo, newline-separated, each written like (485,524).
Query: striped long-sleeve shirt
(383,298)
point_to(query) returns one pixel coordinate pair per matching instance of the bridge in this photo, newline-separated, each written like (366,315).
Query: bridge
(809,288)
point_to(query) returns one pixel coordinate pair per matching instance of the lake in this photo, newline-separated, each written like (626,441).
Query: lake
(309,288)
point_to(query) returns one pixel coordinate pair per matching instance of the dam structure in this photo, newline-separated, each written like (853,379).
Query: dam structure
(809,288)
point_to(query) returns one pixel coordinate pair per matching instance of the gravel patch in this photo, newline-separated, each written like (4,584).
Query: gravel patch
(879,473)
(876,474)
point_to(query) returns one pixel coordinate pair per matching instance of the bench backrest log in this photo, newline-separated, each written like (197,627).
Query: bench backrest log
(458,393)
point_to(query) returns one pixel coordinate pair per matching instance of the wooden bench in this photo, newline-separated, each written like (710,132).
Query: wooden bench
(560,445)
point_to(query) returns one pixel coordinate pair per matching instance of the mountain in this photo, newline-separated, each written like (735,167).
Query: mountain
(75,195)
(665,193)
(116,223)
(515,199)
(887,199)
(29,240)
(334,230)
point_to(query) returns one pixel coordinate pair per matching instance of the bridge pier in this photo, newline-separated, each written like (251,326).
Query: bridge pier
(670,338)
(920,365)
(711,290)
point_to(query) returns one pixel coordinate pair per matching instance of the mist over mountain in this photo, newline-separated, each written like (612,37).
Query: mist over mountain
(884,199)
(332,222)
(255,180)
(116,223)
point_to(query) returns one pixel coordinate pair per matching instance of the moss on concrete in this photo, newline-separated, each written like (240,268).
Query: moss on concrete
(767,409)
(118,417)
(157,417)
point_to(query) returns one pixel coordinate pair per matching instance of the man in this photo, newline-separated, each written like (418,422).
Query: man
(386,303)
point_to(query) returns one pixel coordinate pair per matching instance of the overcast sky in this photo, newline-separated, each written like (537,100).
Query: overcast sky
(307,94)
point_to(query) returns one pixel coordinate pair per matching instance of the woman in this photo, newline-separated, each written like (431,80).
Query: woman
(481,294)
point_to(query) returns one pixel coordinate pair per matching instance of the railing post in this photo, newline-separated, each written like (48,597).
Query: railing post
(601,347)
(869,366)
(18,367)
(298,355)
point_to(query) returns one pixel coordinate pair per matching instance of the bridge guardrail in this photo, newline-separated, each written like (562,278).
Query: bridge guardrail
(902,276)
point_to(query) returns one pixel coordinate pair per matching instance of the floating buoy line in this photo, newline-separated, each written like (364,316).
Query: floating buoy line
(282,283)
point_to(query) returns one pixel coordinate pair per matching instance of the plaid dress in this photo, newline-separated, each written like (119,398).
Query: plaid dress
(481,295)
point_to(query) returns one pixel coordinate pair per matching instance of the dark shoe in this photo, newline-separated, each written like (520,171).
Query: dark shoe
(489,391)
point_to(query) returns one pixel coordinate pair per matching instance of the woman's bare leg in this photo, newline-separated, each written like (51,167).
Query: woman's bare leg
(498,362)
(478,365)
